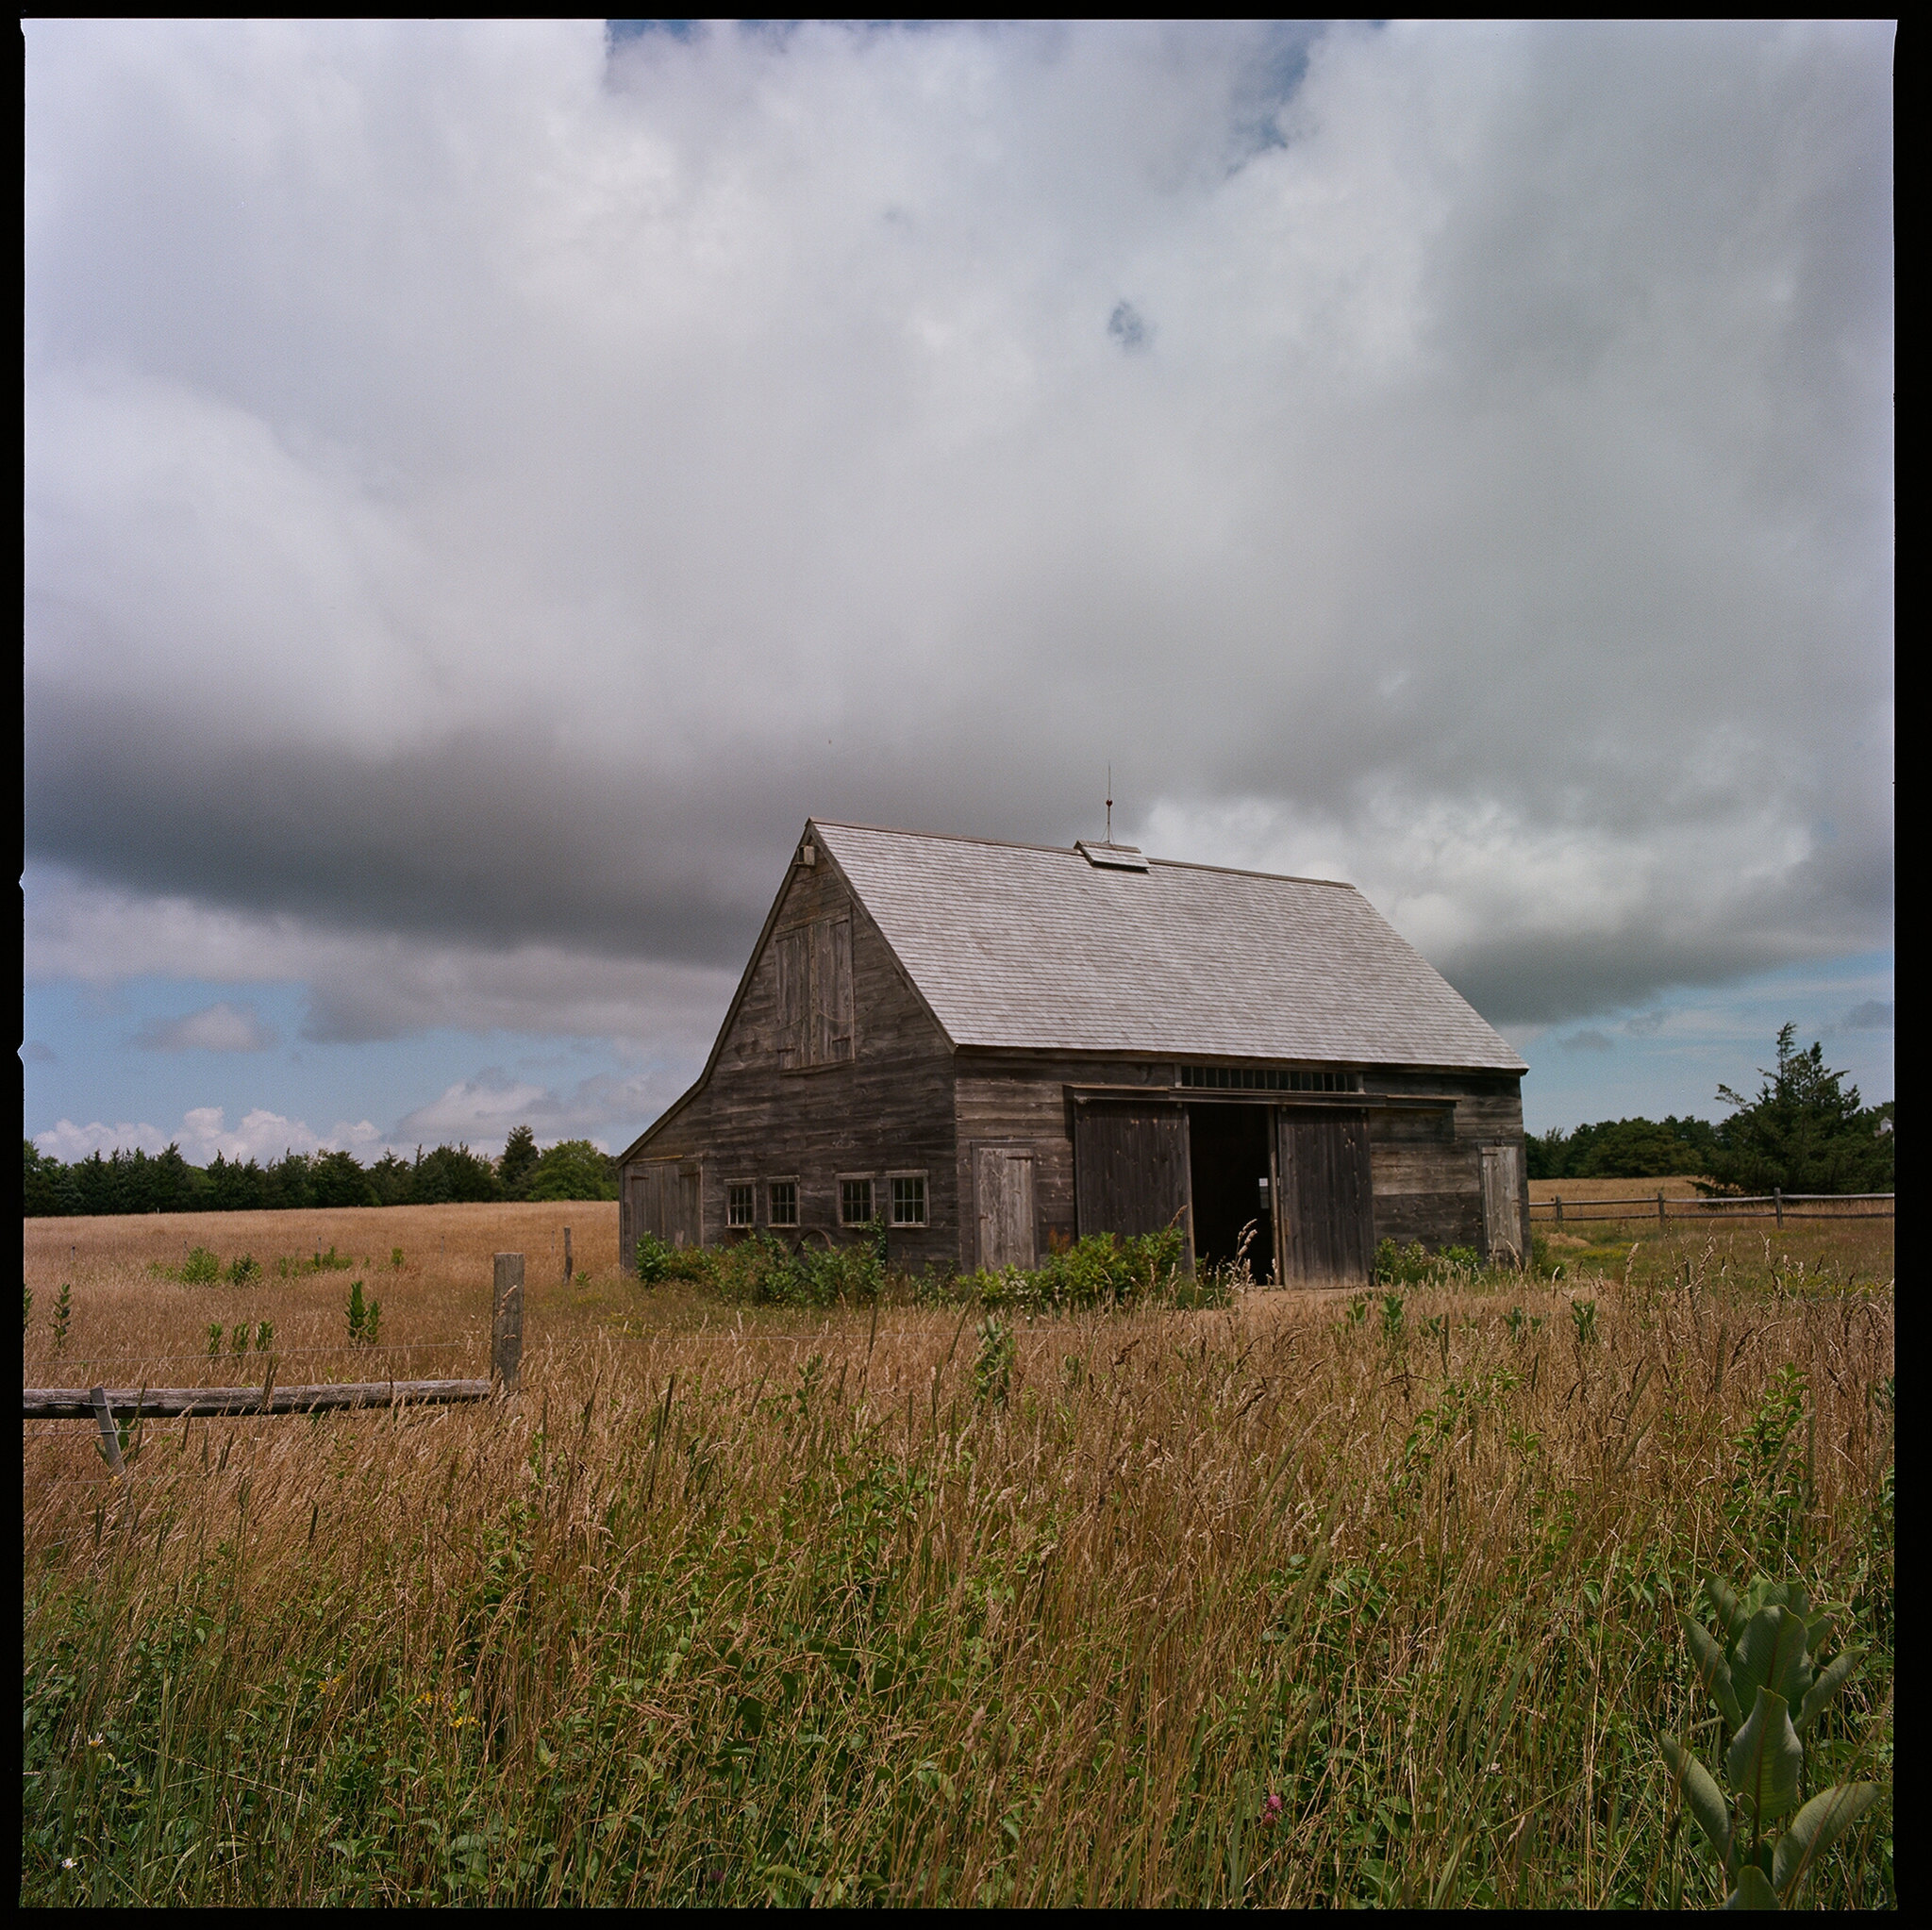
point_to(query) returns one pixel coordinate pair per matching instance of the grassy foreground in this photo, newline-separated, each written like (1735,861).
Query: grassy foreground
(1305,1602)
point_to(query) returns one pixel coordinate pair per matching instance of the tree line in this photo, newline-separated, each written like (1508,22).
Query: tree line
(1806,1132)
(141,1182)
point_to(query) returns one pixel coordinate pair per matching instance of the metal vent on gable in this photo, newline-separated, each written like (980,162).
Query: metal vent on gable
(1111,858)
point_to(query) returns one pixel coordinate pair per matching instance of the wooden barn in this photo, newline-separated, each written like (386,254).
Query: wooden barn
(1000,1047)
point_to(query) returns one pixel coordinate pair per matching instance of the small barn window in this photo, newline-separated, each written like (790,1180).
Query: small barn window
(739,1196)
(784,1203)
(1262,1079)
(909,1200)
(855,1202)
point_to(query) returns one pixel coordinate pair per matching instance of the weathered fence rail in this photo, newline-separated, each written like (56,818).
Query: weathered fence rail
(115,1409)
(1772,1206)
(156,1404)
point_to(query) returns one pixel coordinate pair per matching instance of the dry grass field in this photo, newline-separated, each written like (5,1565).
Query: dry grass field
(1322,1599)
(1676,1187)
(127,1325)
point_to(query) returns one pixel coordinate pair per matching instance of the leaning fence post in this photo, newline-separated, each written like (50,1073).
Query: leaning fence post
(506,1320)
(1777,1200)
(570,1266)
(111,1438)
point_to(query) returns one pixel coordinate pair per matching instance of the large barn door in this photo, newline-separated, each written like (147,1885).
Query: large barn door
(1003,1202)
(1503,1204)
(667,1200)
(1131,1170)
(1324,1218)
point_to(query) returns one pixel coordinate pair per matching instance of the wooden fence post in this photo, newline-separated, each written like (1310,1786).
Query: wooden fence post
(1660,1205)
(506,1320)
(1777,1196)
(1559,1209)
(570,1265)
(111,1438)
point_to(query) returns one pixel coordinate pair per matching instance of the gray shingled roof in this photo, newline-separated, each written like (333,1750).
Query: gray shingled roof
(1029,947)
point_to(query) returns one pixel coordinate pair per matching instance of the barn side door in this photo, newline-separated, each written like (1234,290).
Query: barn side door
(1324,1218)
(667,1200)
(1503,1204)
(1003,1205)
(1130,1170)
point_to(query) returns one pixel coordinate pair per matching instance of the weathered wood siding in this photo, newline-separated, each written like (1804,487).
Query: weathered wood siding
(1424,1166)
(1002,1215)
(1020,1101)
(1427,1165)
(1323,1212)
(830,1068)
(1130,1169)
(664,1197)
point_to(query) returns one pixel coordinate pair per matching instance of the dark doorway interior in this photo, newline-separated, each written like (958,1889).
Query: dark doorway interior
(1228,1157)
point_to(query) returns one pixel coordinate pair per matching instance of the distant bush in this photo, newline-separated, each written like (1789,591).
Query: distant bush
(1624,1148)
(763,1270)
(1103,1269)
(201,1267)
(659,1261)
(572,1170)
(1413,1265)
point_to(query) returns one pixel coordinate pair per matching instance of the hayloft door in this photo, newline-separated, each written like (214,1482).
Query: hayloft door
(1503,1204)
(1003,1198)
(1324,1221)
(1131,1171)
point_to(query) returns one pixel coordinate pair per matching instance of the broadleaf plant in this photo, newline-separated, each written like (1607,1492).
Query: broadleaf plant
(1759,1668)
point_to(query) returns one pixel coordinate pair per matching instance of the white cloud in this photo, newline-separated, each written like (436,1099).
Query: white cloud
(220,1028)
(482,495)
(262,1135)
(605,1108)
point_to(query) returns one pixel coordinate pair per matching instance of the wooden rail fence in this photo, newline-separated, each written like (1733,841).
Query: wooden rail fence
(1776,1205)
(114,1410)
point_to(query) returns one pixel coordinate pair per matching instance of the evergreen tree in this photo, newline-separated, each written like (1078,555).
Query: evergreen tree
(286,1183)
(1805,1132)
(519,1161)
(452,1172)
(391,1181)
(337,1179)
(45,1189)
(233,1186)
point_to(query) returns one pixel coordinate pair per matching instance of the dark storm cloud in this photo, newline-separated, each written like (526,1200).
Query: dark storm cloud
(484,490)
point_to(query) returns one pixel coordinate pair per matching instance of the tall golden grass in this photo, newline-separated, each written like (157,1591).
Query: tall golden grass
(1292,1604)
(1675,1186)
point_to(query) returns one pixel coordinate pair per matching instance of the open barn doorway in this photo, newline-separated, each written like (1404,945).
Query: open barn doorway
(1229,1153)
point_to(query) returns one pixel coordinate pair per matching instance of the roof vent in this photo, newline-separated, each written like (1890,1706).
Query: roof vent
(1111,858)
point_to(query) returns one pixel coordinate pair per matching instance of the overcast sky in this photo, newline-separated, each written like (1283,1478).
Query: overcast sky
(486,485)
